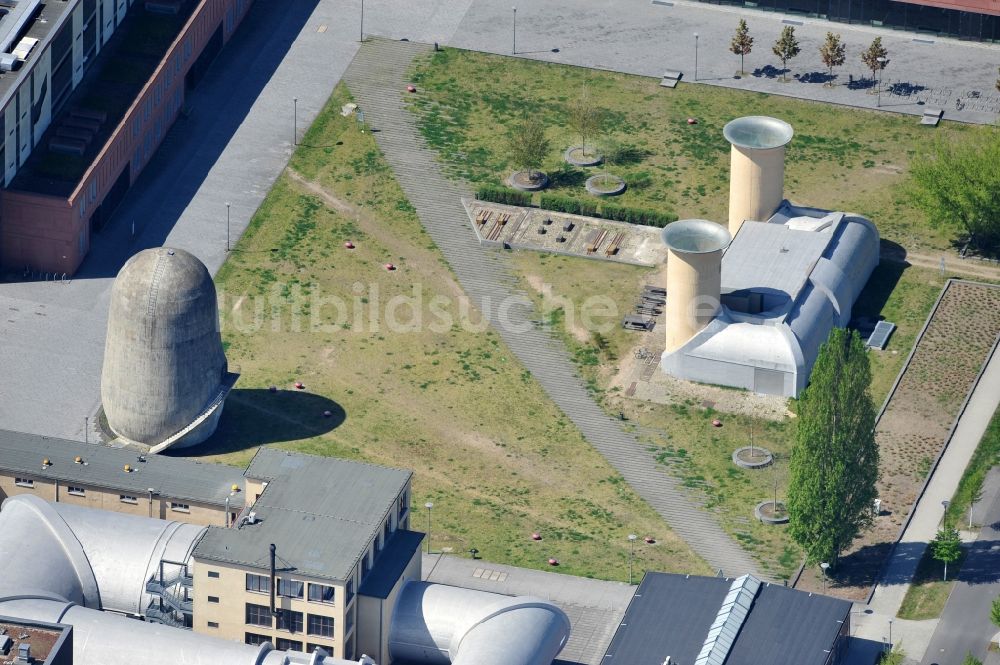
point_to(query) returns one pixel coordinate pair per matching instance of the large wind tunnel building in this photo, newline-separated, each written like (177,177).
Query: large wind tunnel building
(750,306)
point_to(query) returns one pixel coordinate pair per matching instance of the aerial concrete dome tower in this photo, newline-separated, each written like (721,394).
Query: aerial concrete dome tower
(165,375)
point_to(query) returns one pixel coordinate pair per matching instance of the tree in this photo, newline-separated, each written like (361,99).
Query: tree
(528,146)
(834,464)
(742,43)
(995,612)
(833,52)
(786,48)
(894,657)
(956,183)
(946,547)
(875,57)
(584,118)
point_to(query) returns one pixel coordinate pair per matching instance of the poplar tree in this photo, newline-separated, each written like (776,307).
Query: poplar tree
(833,52)
(786,48)
(834,464)
(742,43)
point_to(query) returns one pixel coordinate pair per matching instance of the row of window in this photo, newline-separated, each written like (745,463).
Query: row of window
(282,643)
(318,593)
(124,498)
(315,624)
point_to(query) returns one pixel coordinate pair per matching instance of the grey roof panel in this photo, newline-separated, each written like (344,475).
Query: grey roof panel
(671,615)
(172,477)
(391,564)
(322,512)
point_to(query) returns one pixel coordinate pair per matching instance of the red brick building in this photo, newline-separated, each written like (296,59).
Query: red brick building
(90,104)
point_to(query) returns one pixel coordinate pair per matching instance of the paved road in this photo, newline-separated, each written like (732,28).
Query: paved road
(965,623)
(638,37)
(376,78)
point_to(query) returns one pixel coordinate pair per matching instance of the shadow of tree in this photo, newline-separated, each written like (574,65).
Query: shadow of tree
(861,83)
(769,71)
(256,416)
(905,89)
(629,155)
(815,77)
(567,176)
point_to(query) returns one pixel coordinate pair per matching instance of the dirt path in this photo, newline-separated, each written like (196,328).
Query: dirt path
(953,264)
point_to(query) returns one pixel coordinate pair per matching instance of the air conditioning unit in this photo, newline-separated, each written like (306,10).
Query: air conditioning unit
(8,62)
(252,517)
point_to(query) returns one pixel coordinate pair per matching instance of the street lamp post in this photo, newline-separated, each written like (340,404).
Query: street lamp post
(824,566)
(696,56)
(228,206)
(362,21)
(86,429)
(631,554)
(428,506)
(944,515)
(890,633)
(513,49)
(881,65)
(295,120)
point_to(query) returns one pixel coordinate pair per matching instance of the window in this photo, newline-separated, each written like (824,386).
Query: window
(290,621)
(349,591)
(258,615)
(256,639)
(24,482)
(258,583)
(365,567)
(387,531)
(213,574)
(311,647)
(321,593)
(125,498)
(403,507)
(349,620)
(349,647)
(320,625)
(213,624)
(75,491)
(284,644)
(213,599)
(290,588)
(180,507)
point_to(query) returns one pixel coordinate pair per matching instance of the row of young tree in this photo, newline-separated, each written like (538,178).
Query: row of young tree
(833,51)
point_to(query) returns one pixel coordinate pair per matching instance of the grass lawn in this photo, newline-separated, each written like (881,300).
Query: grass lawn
(487,446)
(987,456)
(841,158)
(928,594)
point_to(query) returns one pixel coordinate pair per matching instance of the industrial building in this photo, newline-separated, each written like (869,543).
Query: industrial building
(302,554)
(88,91)
(165,377)
(691,620)
(750,306)
(964,19)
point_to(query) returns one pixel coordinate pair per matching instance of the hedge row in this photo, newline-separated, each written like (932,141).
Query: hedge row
(504,195)
(637,215)
(610,211)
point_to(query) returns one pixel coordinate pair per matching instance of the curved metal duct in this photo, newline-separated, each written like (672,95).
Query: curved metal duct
(47,573)
(438,624)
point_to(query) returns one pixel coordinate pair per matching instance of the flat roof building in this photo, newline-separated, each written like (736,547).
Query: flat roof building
(704,620)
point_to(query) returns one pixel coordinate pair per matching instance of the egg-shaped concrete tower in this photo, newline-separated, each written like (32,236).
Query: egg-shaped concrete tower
(165,374)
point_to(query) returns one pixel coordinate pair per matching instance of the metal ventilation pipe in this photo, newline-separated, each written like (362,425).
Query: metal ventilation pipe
(60,563)
(757,167)
(436,624)
(694,277)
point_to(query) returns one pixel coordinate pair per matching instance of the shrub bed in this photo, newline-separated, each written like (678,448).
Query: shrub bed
(504,195)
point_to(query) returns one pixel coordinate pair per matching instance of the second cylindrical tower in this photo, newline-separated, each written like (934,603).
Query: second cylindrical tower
(757,167)
(694,277)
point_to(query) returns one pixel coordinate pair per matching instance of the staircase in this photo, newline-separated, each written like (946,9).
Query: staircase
(377,79)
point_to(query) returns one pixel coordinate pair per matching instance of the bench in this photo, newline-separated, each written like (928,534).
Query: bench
(931,117)
(82,123)
(90,114)
(75,133)
(67,146)
(670,78)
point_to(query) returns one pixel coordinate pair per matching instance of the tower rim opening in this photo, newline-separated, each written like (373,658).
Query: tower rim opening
(695,236)
(758,132)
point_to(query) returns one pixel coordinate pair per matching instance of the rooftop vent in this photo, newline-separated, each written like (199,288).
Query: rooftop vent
(78,460)
(24,653)
(252,517)
(729,621)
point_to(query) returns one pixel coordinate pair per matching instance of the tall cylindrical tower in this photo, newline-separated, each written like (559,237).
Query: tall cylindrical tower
(757,167)
(694,277)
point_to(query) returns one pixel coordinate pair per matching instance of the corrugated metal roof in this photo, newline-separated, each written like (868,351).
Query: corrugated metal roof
(172,477)
(321,512)
(670,615)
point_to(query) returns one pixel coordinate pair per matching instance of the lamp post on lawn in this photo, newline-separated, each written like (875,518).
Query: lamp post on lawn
(513,49)
(362,36)
(890,633)
(631,554)
(295,120)
(944,516)
(881,65)
(824,566)
(696,56)
(428,506)
(228,206)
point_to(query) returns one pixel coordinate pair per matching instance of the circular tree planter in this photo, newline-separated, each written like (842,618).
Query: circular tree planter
(761,457)
(770,513)
(602,185)
(523,181)
(574,155)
